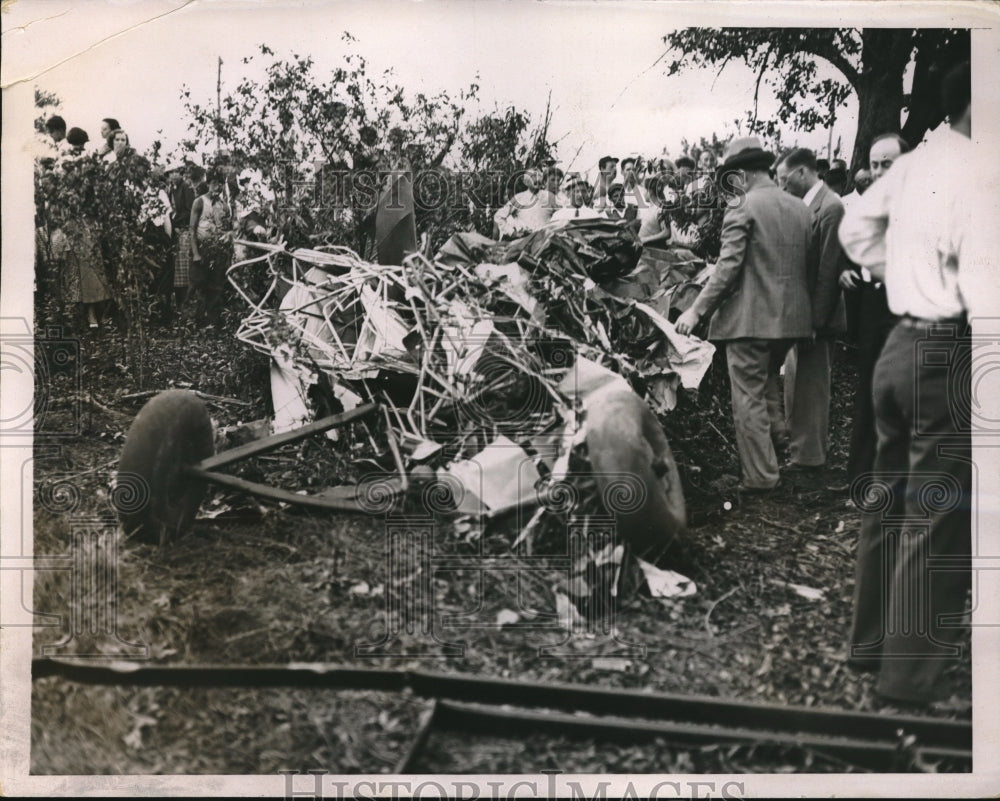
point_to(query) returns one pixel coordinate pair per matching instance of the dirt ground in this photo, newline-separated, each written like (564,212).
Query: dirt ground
(255,583)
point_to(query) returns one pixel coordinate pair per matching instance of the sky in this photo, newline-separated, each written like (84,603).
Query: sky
(598,60)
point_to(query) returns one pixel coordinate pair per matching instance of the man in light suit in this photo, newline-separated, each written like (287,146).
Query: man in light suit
(759,295)
(807,366)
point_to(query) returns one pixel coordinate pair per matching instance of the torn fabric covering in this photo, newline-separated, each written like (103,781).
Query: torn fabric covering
(690,357)
(500,477)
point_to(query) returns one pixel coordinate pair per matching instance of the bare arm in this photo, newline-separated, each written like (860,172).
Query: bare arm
(196,211)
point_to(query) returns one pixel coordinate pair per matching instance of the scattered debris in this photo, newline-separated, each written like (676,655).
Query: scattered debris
(494,362)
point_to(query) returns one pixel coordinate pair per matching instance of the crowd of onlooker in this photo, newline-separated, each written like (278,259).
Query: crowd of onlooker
(188,215)
(182,218)
(665,201)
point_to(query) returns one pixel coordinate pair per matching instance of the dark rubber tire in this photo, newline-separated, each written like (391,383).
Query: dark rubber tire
(635,471)
(155,500)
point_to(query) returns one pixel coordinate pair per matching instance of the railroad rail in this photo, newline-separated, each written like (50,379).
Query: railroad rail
(504,707)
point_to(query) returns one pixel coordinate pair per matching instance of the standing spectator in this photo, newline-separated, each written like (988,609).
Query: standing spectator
(211,238)
(874,322)
(56,128)
(608,167)
(578,209)
(836,179)
(76,250)
(230,185)
(925,229)
(822,167)
(120,147)
(685,170)
(759,297)
(157,236)
(527,211)
(654,224)
(182,195)
(553,181)
(807,366)
(631,190)
(77,139)
(108,125)
(862,180)
(703,182)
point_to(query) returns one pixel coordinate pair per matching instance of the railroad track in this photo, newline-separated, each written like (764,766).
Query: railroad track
(505,708)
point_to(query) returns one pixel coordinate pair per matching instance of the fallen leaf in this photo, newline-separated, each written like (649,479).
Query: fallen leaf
(361,588)
(567,611)
(809,593)
(506,617)
(614,663)
(666,583)
(765,666)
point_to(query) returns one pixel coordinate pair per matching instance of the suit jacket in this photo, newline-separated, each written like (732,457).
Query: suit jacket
(827,299)
(760,286)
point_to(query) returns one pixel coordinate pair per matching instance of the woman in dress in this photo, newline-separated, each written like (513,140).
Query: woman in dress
(654,221)
(76,249)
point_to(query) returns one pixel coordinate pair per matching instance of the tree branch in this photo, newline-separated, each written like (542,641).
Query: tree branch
(827,50)
(760,75)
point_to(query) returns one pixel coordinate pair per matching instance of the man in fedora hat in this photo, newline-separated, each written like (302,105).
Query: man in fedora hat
(758,298)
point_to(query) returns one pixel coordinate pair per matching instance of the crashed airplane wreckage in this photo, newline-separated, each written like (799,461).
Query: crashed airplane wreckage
(524,374)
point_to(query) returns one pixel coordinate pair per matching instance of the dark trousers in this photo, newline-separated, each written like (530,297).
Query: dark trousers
(207,279)
(757,413)
(913,568)
(873,324)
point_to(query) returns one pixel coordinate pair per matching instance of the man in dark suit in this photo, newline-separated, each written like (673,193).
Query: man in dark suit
(759,295)
(807,366)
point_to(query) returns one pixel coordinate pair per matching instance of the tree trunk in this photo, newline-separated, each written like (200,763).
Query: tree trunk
(884,55)
(937,52)
(880,100)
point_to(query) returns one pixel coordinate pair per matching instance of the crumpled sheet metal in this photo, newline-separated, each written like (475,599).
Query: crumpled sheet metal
(473,351)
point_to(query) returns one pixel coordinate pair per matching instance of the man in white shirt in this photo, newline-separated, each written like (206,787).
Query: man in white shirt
(868,312)
(607,170)
(577,188)
(924,228)
(527,211)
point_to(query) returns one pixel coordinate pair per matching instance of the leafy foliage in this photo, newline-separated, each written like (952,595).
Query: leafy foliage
(871,63)
(113,201)
(317,147)
(48,103)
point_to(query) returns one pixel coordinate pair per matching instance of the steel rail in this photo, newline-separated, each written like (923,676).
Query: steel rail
(505,723)
(692,708)
(950,737)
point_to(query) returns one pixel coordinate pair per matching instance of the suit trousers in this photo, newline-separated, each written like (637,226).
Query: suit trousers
(807,400)
(757,413)
(874,322)
(914,569)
